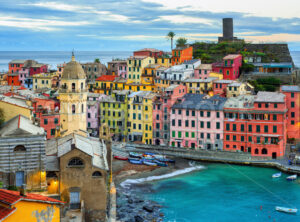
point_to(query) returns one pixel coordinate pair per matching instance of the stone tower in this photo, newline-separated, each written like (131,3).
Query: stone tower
(73,97)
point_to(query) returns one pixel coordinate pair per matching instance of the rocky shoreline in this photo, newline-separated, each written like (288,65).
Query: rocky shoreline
(131,203)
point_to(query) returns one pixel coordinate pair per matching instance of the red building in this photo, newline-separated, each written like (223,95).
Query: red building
(15,66)
(46,114)
(148,52)
(37,69)
(292,94)
(13,79)
(219,87)
(230,66)
(182,54)
(256,124)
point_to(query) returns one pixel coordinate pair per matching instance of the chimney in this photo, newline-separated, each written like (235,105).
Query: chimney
(23,190)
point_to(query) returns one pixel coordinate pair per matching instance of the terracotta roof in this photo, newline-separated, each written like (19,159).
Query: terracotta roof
(231,56)
(10,197)
(106,78)
(5,212)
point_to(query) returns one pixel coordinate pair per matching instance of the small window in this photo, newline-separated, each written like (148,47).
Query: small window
(75,162)
(97,174)
(20,148)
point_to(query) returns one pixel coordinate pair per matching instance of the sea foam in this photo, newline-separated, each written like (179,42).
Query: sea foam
(126,183)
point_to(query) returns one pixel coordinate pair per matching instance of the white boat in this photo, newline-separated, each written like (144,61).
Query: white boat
(287,210)
(293,177)
(276,175)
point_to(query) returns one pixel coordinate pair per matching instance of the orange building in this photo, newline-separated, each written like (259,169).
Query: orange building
(182,54)
(13,79)
(15,66)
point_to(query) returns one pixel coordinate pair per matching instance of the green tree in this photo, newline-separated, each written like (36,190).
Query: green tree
(1,116)
(171,36)
(97,60)
(181,41)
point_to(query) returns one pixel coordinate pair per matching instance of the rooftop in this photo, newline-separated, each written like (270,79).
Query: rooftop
(270,97)
(240,102)
(192,61)
(224,81)
(19,101)
(138,57)
(17,61)
(108,78)
(148,49)
(235,84)
(171,87)
(290,88)
(11,197)
(204,66)
(232,56)
(191,80)
(139,93)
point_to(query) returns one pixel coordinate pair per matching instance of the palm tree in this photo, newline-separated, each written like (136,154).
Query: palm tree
(181,42)
(171,36)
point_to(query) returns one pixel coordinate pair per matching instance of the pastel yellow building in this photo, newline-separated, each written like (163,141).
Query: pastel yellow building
(73,97)
(200,86)
(163,61)
(140,117)
(136,65)
(238,88)
(13,106)
(17,206)
(43,80)
(216,75)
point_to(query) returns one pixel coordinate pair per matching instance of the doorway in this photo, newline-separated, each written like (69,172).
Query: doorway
(274,155)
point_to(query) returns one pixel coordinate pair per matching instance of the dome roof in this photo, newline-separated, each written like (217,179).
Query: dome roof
(73,70)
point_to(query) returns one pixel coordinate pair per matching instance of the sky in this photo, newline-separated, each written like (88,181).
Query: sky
(107,25)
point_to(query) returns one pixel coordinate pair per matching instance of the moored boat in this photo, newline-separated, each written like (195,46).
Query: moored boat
(149,154)
(291,178)
(138,162)
(162,164)
(121,157)
(134,154)
(149,163)
(286,210)
(276,175)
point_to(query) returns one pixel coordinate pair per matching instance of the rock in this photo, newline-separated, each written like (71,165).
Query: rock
(138,201)
(161,214)
(148,209)
(130,201)
(138,219)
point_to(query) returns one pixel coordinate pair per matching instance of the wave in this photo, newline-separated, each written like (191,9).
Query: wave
(128,182)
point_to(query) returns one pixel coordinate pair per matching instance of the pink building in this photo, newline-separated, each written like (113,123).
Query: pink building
(23,75)
(230,66)
(161,113)
(202,71)
(148,52)
(219,87)
(117,68)
(292,94)
(197,122)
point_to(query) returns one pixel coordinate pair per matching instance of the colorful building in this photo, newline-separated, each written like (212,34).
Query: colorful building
(197,122)
(164,61)
(117,68)
(239,88)
(292,94)
(140,117)
(114,114)
(3,79)
(148,52)
(105,84)
(44,80)
(93,70)
(220,87)
(230,66)
(161,113)
(202,71)
(182,54)
(256,124)
(13,79)
(27,207)
(199,86)
(15,66)
(136,65)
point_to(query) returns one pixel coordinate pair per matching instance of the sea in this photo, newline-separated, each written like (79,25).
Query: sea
(58,57)
(223,192)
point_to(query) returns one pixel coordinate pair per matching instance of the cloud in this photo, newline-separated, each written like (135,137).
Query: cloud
(183,19)
(281,37)
(37,24)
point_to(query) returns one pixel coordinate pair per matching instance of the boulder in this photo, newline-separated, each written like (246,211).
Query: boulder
(148,209)
(138,218)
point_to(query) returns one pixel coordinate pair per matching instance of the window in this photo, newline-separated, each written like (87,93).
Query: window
(267,105)
(173,133)
(208,125)
(257,128)
(187,112)
(217,125)
(227,126)
(73,108)
(292,114)
(20,148)
(140,126)
(45,121)
(242,127)
(234,127)
(227,137)
(82,108)
(250,138)
(179,111)
(274,129)
(201,113)
(179,122)
(202,135)
(173,122)
(292,104)
(173,111)
(186,123)
(97,174)
(258,139)
(179,134)
(202,124)
(89,115)
(187,134)
(259,105)
(193,135)
(274,117)
(218,136)
(52,132)
(256,151)
(275,105)
(193,113)
(242,138)
(218,114)
(208,114)
(266,129)
(292,95)
(264,151)
(234,137)
(208,136)
(56,121)
(292,122)
(75,162)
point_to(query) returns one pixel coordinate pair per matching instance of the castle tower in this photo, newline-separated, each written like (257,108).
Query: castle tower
(73,97)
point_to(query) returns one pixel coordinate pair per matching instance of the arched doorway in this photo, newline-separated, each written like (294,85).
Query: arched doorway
(256,151)
(264,151)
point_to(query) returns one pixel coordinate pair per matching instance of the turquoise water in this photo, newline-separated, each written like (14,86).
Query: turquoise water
(221,193)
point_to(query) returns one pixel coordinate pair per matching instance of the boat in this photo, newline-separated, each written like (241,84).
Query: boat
(276,175)
(133,158)
(138,162)
(159,163)
(149,154)
(287,210)
(121,157)
(149,163)
(150,158)
(134,154)
(291,178)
